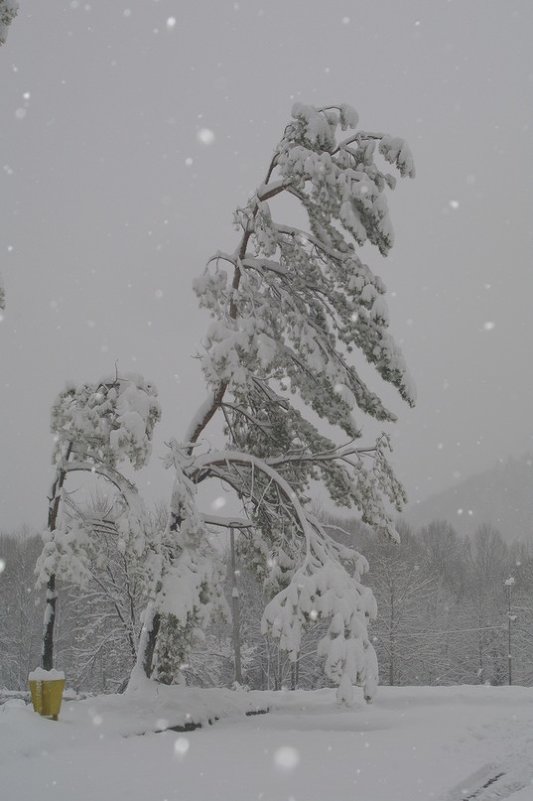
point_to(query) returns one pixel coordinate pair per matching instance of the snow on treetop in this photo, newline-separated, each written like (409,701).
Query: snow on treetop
(107,422)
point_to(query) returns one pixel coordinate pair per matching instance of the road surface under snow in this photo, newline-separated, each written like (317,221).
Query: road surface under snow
(440,743)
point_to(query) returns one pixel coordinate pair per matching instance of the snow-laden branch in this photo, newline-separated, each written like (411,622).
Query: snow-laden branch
(320,587)
(269,190)
(227,458)
(226,522)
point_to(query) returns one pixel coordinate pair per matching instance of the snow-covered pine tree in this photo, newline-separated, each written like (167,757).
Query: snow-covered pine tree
(290,306)
(95,427)
(8,12)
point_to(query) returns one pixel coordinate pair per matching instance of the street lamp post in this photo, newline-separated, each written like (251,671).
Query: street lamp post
(236,612)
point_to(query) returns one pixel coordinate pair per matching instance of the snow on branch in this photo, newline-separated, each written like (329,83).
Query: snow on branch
(71,548)
(107,422)
(321,587)
(296,303)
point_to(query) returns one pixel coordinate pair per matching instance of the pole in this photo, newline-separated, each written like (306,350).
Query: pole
(509,658)
(509,584)
(236,612)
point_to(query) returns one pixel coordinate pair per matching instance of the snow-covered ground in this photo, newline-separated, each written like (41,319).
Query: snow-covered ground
(438,743)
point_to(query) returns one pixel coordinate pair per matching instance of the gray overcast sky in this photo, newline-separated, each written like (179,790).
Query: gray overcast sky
(104,220)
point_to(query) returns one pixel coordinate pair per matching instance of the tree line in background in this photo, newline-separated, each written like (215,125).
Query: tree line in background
(443,614)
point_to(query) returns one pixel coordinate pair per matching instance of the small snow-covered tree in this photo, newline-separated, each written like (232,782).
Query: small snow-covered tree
(8,12)
(95,427)
(290,307)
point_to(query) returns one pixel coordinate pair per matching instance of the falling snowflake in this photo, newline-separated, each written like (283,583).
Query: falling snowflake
(181,746)
(158,293)
(188,162)
(286,758)
(218,503)
(454,204)
(346,20)
(489,325)
(20,113)
(2,565)
(171,22)
(205,136)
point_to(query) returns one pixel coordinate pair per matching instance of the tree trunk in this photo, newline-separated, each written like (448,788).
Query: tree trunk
(51,594)
(49,619)
(151,641)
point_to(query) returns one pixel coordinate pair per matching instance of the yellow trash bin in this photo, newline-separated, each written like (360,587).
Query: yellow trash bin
(47,692)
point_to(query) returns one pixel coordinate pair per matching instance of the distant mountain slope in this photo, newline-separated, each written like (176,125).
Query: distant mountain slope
(502,496)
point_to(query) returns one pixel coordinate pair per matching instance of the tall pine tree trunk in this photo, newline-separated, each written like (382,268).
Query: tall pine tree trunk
(145,651)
